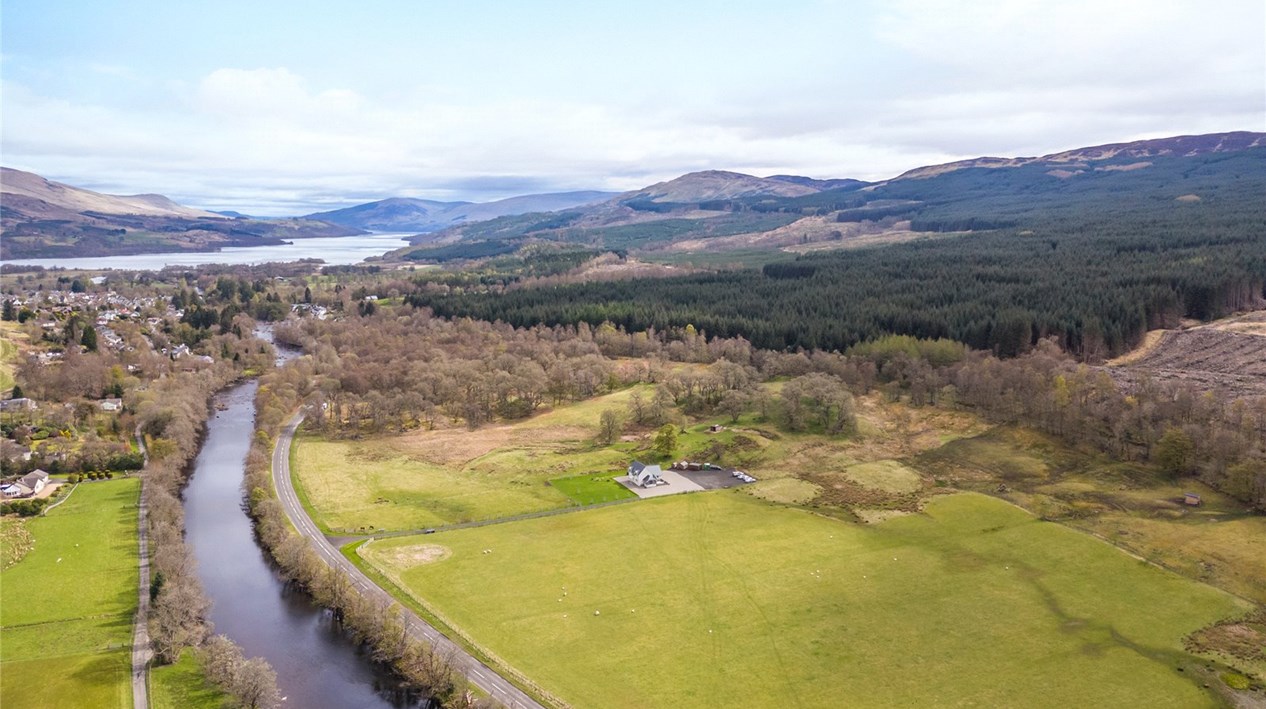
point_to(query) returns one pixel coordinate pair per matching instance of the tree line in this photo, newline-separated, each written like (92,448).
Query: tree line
(172,411)
(1093,262)
(379,627)
(475,372)
(1096,290)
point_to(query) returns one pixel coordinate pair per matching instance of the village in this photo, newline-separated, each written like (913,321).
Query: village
(88,354)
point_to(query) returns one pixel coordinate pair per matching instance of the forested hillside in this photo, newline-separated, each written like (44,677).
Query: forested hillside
(1093,263)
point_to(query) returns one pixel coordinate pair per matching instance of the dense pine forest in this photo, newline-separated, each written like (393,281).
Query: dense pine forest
(1093,262)
(1096,285)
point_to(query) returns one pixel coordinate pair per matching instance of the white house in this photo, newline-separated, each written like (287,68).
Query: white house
(111,404)
(34,480)
(644,475)
(12,490)
(19,404)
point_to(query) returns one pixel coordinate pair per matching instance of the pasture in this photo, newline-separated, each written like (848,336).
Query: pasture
(431,478)
(1220,542)
(66,608)
(9,334)
(721,599)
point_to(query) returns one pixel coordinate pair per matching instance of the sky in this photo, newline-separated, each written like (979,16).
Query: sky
(276,107)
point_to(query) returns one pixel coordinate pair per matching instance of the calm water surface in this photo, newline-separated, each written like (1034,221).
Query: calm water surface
(339,250)
(317,666)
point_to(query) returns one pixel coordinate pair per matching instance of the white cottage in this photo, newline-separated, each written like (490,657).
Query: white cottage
(644,475)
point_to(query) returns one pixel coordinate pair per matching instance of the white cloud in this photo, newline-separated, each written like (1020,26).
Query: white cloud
(943,80)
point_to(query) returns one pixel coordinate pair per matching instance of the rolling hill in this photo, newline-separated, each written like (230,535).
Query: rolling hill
(40,218)
(38,192)
(718,212)
(718,184)
(424,215)
(1112,155)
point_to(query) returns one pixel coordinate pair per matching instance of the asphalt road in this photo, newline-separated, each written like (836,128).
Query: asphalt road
(479,674)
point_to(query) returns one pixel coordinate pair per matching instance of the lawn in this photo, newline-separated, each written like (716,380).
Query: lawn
(592,489)
(66,608)
(183,686)
(720,599)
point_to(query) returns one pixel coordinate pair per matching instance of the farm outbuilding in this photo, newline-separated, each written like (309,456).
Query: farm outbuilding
(1191,498)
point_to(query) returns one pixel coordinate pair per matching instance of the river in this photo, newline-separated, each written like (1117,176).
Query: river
(317,665)
(339,250)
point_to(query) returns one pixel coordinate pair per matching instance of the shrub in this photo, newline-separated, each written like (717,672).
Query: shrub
(1235,680)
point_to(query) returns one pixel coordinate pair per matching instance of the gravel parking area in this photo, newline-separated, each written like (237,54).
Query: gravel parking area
(674,483)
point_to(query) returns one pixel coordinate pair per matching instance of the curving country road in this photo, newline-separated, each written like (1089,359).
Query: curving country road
(479,674)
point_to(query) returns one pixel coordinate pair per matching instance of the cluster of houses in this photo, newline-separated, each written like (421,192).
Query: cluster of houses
(109,305)
(109,308)
(28,485)
(320,312)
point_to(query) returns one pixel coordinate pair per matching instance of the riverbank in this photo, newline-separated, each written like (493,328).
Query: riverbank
(252,602)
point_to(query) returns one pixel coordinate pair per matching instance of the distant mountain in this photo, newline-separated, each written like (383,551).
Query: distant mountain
(1081,158)
(716,211)
(711,185)
(422,215)
(33,189)
(819,185)
(394,214)
(40,218)
(551,202)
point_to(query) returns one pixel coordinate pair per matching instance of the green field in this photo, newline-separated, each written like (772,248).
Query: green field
(66,608)
(592,489)
(8,354)
(182,685)
(1220,542)
(720,599)
(432,478)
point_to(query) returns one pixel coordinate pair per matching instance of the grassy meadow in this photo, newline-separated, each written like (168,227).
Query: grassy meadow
(431,478)
(721,599)
(900,456)
(66,608)
(1219,542)
(552,460)
(182,685)
(8,353)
